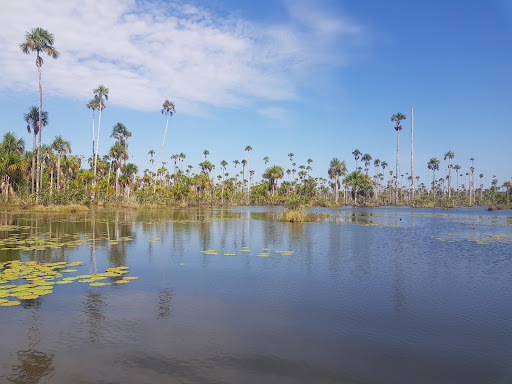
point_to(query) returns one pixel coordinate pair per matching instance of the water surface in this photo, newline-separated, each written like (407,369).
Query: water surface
(378,295)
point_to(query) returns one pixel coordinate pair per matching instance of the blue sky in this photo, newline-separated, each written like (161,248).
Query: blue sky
(316,78)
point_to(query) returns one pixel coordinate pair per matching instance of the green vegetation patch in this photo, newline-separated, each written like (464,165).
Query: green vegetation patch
(30,280)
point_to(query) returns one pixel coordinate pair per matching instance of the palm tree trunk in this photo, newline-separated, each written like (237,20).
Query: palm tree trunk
(51,180)
(40,122)
(449,180)
(336,190)
(33,170)
(93,135)
(118,169)
(161,149)
(97,144)
(58,172)
(396,175)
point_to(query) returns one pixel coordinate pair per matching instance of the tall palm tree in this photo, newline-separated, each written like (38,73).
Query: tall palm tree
(206,153)
(121,134)
(433,164)
(248,149)
(94,105)
(117,153)
(337,168)
(481,186)
(99,93)
(62,147)
(457,169)
(34,120)
(40,41)
(449,155)
(367,159)
(168,109)
(399,116)
(356,154)
(223,165)
(151,161)
(265,159)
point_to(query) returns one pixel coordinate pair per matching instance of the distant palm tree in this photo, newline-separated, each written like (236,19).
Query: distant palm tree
(337,168)
(62,147)
(457,168)
(272,174)
(367,159)
(449,155)
(39,40)
(93,104)
(117,153)
(169,109)
(206,153)
(265,159)
(33,121)
(223,165)
(399,116)
(99,93)
(121,134)
(151,161)
(433,164)
(248,149)
(356,154)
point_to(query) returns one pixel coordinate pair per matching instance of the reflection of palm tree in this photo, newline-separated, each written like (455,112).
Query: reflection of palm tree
(164,306)
(33,364)
(94,306)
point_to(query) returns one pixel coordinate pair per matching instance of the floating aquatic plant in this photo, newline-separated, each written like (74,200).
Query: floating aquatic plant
(38,279)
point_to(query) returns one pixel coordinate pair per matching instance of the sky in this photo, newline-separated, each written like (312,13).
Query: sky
(315,78)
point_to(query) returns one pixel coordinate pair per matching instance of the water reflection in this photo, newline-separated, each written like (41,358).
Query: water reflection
(32,364)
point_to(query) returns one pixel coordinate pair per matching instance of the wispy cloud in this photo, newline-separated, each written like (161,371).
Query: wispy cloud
(148,51)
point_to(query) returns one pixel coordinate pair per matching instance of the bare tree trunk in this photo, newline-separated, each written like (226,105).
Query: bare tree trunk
(412,153)
(161,149)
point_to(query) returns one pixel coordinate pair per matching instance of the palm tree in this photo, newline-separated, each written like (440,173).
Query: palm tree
(356,154)
(223,165)
(399,116)
(433,164)
(359,182)
(508,185)
(99,93)
(206,153)
(457,168)
(93,104)
(129,171)
(118,153)
(151,153)
(121,134)
(39,40)
(449,155)
(62,147)
(248,149)
(337,168)
(272,174)
(169,109)
(265,159)
(481,186)
(34,120)
(367,159)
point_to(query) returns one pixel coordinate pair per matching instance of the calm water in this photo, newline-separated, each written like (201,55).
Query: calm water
(381,295)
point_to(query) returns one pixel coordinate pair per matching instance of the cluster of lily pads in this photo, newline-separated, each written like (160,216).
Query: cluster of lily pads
(42,241)
(266,252)
(33,279)
(477,239)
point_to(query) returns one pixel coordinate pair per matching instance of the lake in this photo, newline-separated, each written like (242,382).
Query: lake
(365,295)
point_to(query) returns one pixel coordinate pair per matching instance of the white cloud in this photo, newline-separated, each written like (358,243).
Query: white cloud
(146,52)
(276,113)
